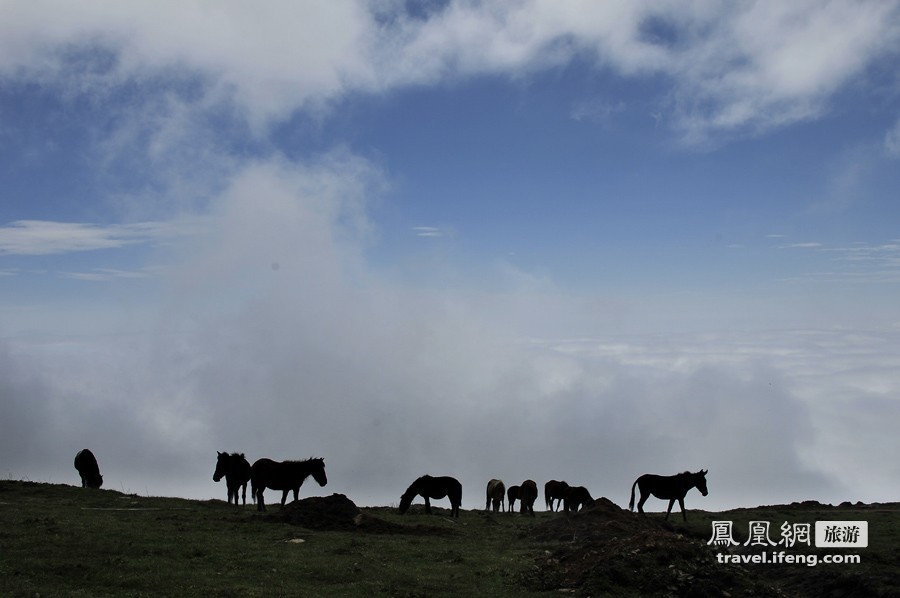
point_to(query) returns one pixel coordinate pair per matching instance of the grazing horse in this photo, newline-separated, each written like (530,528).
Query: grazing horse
(236,470)
(86,464)
(672,487)
(577,497)
(554,490)
(285,476)
(496,492)
(528,493)
(512,495)
(430,487)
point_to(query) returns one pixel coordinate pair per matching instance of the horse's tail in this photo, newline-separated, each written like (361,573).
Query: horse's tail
(631,502)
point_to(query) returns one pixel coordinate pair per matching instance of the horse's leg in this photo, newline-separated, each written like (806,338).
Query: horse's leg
(641,502)
(297,493)
(284,497)
(244,494)
(681,504)
(260,503)
(669,509)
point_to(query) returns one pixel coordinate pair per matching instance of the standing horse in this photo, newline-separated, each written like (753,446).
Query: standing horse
(528,493)
(512,495)
(577,497)
(554,490)
(672,487)
(285,476)
(430,487)
(496,491)
(236,470)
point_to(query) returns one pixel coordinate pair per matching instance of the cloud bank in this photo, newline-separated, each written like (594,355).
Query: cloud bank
(325,355)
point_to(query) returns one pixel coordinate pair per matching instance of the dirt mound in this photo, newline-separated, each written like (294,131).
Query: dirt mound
(335,512)
(339,513)
(607,549)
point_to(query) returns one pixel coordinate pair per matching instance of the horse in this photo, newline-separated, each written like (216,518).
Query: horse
(512,495)
(528,493)
(285,476)
(672,487)
(555,490)
(86,464)
(577,497)
(496,491)
(429,487)
(236,470)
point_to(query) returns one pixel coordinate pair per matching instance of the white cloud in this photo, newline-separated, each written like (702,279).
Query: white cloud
(41,237)
(732,69)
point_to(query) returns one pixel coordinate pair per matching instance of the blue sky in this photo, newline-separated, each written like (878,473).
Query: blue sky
(544,208)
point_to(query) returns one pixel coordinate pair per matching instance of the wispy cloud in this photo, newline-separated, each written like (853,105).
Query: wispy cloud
(809,245)
(892,141)
(427,231)
(106,274)
(42,237)
(857,263)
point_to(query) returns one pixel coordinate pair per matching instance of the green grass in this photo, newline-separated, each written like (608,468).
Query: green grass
(60,540)
(65,541)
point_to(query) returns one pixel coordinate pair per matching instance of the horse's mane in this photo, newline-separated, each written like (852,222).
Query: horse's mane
(304,460)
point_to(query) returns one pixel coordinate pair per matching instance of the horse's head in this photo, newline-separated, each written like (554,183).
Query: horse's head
(318,472)
(406,500)
(700,481)
(221,465)
(95,481)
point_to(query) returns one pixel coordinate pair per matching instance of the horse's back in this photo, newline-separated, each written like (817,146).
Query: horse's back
(261,472)
(450,485)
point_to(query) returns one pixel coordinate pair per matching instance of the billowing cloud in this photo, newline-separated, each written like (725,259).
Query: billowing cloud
(733,69)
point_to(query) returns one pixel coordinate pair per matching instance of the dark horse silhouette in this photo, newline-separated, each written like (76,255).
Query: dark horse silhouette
(672,487)
(433,487)
(554,490)
(236,470)
(577,497)
(496,492)
(528,493)
(86,464)
(512,495)
(285,476)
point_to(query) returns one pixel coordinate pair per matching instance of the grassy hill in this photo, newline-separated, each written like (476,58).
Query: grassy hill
(58,540)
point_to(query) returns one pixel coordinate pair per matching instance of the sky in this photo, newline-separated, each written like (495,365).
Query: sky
(512,239)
